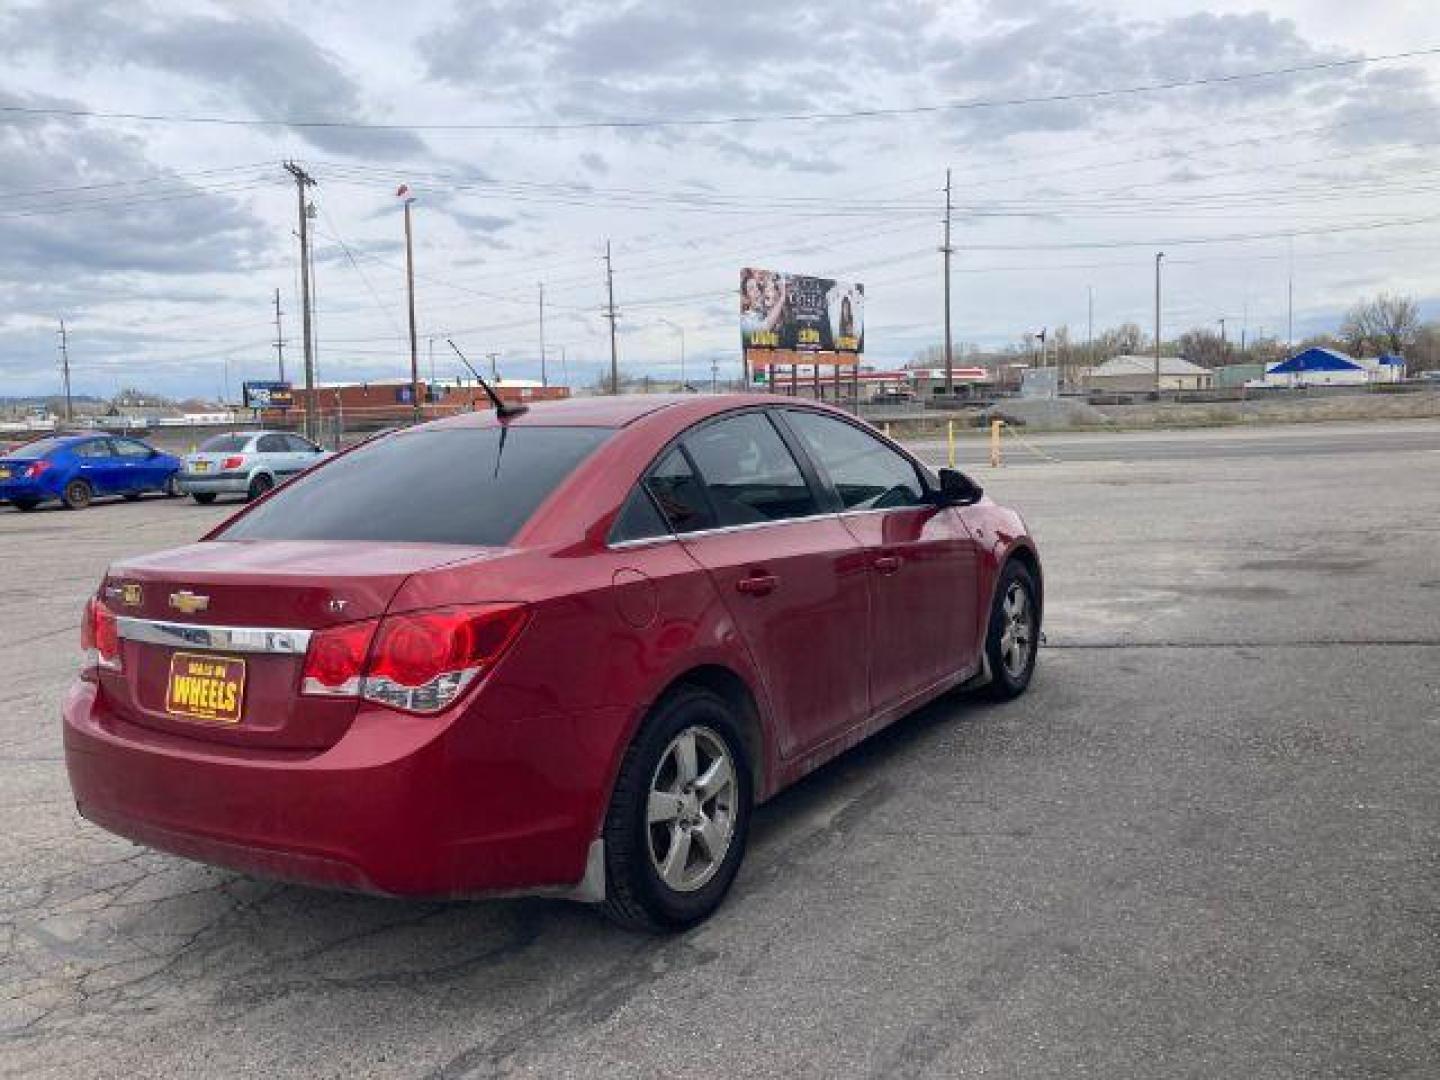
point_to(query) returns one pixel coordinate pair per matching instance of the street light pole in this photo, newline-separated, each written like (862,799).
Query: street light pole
(410,288)
(1159,255)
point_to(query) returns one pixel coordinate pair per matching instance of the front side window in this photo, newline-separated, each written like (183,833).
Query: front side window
(867,474)
(298,445)
(98,448)
(749,472)
(474,486)
(129,448)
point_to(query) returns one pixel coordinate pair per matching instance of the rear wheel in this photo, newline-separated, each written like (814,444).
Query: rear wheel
(259,486)
(204,498)
(25,504)
(678,820)
(77,495)
(1014,633)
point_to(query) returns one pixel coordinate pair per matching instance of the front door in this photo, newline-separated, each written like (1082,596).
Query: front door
(792,577)
(923,572)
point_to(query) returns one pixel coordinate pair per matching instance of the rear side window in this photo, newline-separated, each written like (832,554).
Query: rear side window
(448,486)
(867,474)
(98,448)
(638,519)
(271,444)
(678,493)
(749,472)
(225,444)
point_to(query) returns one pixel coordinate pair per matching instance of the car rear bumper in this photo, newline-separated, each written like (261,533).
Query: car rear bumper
(213,483)
(385,810)
(9,492)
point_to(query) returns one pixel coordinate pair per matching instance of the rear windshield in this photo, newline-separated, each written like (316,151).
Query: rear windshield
(37,449)
(225,444)
(448,486)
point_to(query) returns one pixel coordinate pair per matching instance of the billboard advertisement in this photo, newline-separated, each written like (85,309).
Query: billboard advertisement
(796,313)
(269,395)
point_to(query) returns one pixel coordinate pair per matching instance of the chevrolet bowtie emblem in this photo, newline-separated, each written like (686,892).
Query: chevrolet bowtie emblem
(188,602)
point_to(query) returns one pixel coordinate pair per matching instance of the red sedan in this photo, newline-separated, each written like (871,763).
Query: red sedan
(564,652)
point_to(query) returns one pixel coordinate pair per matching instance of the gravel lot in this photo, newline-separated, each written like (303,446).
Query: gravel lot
(1204,845)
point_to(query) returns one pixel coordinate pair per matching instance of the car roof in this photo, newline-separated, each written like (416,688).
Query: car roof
(615,411)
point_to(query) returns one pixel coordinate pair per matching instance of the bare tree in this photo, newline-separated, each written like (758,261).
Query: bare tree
(1380,325)
(1204,347)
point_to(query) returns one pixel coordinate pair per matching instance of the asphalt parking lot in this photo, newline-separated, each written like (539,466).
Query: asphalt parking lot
(1206,843)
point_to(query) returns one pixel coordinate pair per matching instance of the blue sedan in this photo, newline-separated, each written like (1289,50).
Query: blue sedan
(75,469)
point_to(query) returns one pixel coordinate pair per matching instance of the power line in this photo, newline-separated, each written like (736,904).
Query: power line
(752,119)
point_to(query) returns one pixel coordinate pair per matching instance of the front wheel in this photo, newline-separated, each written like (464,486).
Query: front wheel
(77,495)
(1013,637)
(678,821)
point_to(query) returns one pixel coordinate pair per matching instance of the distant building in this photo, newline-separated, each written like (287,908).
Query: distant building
(1131,374)
(391,400)
(1330,367)
(1230,376)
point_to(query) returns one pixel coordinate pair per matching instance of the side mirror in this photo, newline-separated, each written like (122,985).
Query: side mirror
(957,489)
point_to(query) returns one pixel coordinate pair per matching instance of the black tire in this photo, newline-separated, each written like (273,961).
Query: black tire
(204,498)
(77,495)
(25,505)
(259,486)
(1010,680)
(636,896)
(132,496)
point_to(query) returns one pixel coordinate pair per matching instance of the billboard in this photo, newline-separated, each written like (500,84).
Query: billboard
(796,313)
(269,395)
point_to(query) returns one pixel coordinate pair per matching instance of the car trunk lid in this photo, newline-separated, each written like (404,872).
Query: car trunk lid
(214,634)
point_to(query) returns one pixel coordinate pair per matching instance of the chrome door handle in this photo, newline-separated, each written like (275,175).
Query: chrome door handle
(887,564)
(757,584)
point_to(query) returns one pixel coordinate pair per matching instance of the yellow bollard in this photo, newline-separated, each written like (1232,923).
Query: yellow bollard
(950,437)
(995,426)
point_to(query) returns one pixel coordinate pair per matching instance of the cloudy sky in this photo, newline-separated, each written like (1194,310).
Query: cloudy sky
(161,242)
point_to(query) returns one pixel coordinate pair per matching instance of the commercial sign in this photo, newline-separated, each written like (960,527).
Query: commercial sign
(792,312)
(269,395)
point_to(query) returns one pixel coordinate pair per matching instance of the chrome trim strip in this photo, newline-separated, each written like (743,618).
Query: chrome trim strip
(241,639)
(720,530)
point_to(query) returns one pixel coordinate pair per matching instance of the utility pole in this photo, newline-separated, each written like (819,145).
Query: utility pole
(65,371)
(410,290)
(610,314)
(494,370)
(1090,325)
(1290,302)
(1158,256)
(544,378)
(279,338)
(302,181)
(946,249)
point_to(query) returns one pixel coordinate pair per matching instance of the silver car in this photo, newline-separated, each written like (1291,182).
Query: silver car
(247,463)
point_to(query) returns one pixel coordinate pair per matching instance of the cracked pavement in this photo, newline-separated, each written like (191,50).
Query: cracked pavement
(1205,844)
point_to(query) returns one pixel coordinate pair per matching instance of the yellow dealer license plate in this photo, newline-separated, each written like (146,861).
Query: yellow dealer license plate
(202,466)
(206,687)
(4,474)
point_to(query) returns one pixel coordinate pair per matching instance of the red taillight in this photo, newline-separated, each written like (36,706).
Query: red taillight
(417,662)
(335,661)
(100,637)
(37,468)
(234,461)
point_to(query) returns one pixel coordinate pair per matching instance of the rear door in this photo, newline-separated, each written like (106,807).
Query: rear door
(98,466)
(921,559)
(790,574)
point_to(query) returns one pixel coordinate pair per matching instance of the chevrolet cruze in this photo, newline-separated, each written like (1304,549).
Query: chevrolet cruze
(562,652)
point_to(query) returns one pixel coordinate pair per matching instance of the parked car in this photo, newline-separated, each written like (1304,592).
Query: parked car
(75,469)
(246,463)
(564,652)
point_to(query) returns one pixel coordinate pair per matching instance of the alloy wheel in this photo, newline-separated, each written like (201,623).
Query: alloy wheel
(1017,639)
(690,818)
